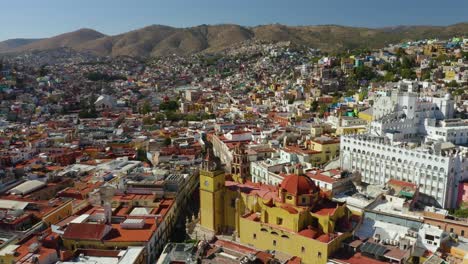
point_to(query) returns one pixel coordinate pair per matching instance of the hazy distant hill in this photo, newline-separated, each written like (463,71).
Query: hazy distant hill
(158,40)
(71,40)
(11,44)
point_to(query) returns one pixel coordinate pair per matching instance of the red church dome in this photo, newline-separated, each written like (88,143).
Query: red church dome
(298,184)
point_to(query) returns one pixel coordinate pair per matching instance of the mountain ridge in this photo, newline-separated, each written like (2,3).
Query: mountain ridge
(162,40)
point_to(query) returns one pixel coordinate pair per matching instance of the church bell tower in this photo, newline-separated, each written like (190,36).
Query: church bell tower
(211,194)
(240,165)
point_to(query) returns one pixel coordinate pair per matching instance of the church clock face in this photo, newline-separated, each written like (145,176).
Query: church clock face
(206,183)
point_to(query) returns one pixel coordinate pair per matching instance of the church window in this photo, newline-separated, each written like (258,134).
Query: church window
(279,221)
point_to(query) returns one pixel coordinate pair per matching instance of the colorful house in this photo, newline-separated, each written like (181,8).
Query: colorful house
(293,218)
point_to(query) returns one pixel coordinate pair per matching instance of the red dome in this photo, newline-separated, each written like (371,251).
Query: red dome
(298,184)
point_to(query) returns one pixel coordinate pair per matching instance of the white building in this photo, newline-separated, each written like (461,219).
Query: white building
(105,102)
(431,237)
(411,143)
(436,174)
(268,171)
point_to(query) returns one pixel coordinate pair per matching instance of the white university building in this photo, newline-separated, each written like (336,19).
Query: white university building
(412,139)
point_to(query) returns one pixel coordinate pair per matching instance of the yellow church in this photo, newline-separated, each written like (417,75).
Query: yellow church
(294,218)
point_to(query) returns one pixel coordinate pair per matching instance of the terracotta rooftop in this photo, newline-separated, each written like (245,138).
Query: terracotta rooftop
(119,234)
(402,183)
(356,259)
(85,231)
(321,177)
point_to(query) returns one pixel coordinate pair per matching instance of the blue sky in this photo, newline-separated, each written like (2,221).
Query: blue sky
(45,18)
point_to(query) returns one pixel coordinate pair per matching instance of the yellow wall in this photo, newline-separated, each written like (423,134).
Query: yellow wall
(9,258)
(148,202)
(291,243)
(222,209)
(365,116)
(458,252)
(349,130)
(75,244)
(230,213)
(59,214)
(450,75)
(211,196)
(333,147)
(327,152)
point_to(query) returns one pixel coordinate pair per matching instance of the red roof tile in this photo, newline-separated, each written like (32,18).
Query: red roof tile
(84,231)
(402,183)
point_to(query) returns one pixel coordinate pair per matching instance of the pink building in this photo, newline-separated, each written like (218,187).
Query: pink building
(463,193)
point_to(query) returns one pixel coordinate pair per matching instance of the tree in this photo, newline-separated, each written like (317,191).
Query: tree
(141,155)
(387,67)
(465,55)
(389,77)
(146,108)
(452,83)
(408,74)
(350,93)
(88,109)
(147,120)
(400,52)
(426,75)
(97,76)
(43,71)
(167,141)
(363,94)
(462,213)
(364,73)
(407,62)
(459,91)
(323,107)
(442,58)
(169,105)
(314,106)
(159,117)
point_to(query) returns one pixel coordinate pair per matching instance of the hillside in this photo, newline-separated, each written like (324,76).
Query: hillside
(70,40)
(158,40)
(12,44)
